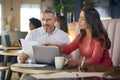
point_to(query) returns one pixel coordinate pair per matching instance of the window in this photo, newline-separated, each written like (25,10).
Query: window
(104,12)
(26,12)
(0,18)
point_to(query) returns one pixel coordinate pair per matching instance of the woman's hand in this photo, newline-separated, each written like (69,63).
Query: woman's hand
(23,57)
(113,71)
(73,62)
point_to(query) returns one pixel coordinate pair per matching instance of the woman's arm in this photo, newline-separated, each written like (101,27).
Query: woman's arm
(68,48)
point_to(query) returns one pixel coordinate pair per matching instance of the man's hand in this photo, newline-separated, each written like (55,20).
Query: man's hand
(49,44)
(23,57)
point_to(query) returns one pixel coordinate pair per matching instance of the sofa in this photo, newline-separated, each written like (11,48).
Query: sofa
(113,28)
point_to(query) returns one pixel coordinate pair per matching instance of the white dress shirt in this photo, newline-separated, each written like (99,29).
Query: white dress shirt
(40,35)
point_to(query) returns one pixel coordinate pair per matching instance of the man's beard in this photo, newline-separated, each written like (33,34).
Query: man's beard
(47,28)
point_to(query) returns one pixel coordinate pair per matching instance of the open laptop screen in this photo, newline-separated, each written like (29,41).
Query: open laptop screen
(11,38)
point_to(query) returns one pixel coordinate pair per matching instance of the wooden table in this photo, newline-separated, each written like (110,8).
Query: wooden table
(7,53)
(39,70)
(9,48)
(47,69)
(3,68)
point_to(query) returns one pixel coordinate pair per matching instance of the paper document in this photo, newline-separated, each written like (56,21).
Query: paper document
(27,47)
(29,65)
(68,75)
(53,75)
(88,74)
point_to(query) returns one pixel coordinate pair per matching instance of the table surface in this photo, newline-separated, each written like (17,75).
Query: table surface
(80,78)
(44,70)
(39,70)
(9,48)
(10,52)
(3,68)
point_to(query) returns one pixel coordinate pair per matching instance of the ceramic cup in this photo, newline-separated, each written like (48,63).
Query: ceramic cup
(59,62)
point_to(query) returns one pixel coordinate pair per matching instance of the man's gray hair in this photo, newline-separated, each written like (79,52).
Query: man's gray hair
(48,10)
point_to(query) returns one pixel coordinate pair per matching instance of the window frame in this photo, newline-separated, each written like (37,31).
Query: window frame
(24,22)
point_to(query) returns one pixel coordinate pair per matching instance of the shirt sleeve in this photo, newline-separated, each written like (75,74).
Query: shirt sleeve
(97,53)
(28,36)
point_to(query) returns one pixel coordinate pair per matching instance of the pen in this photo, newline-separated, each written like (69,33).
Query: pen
(80,68)
(82,63)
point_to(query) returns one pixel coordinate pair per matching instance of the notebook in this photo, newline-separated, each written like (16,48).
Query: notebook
(45,54)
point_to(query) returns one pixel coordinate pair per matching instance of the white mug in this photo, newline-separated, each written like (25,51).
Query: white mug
(59,62)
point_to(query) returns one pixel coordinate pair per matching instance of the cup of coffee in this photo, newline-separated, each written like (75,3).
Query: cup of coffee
(59,62)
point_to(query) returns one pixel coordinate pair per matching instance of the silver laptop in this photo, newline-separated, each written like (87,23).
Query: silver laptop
(45,54)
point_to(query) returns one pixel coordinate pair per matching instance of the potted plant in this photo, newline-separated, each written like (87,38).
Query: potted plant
(63,6)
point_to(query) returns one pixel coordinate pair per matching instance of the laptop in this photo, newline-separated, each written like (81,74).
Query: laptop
(45,54)
(11,38)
